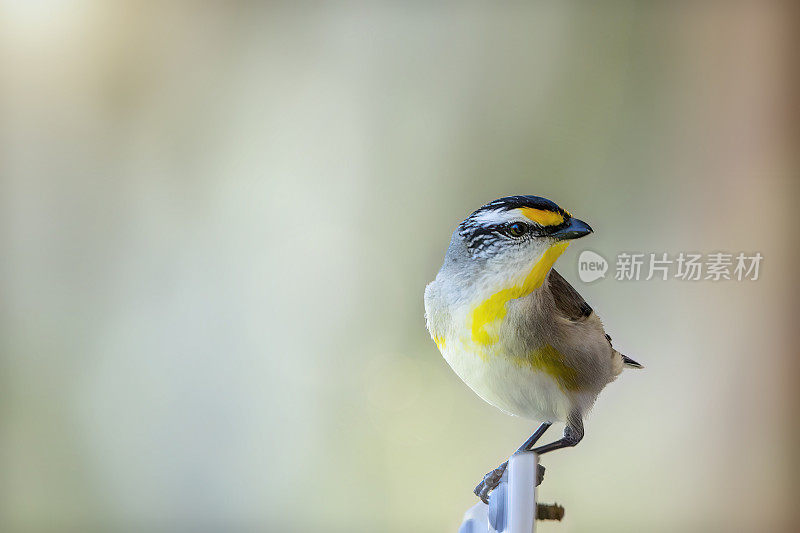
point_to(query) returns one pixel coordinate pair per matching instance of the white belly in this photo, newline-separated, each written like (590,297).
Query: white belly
(516,389)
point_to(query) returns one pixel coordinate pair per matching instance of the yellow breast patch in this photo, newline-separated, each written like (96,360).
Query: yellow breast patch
(440,343)
(493,308)
(552,362)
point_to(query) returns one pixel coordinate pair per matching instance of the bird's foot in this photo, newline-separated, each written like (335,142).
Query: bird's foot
(492,479)
(490,482)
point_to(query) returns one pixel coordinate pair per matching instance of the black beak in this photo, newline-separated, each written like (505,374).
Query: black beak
(573,230)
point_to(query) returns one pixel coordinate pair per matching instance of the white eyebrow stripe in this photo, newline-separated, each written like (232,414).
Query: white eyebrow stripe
(495,216)
(499,216)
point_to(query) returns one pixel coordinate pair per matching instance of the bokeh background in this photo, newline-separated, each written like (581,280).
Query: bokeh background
(217,221)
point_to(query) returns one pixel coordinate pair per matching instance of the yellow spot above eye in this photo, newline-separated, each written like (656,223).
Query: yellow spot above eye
(552,362)
(542,216)
(494,307)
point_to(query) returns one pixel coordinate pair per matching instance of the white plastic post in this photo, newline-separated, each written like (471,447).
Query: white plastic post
(475,519)
(512,505)
(522,493)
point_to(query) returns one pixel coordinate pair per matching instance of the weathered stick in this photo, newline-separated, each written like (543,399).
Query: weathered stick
(549,511)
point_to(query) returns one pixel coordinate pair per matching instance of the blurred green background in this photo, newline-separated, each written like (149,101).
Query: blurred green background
(217,221)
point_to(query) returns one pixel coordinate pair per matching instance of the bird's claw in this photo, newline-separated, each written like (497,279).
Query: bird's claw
(489,483)
(492,479)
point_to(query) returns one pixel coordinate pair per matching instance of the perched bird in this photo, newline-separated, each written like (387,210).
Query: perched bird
(514,330)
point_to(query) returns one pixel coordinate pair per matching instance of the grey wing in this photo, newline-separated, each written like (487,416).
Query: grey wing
(571,305)
(568,302)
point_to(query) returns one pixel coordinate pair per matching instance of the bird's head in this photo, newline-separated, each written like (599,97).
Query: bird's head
(509,235)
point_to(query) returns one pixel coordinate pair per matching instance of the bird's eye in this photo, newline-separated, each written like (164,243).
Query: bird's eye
(517,229)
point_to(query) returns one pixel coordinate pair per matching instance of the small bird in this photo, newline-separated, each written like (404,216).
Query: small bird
(514,330)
